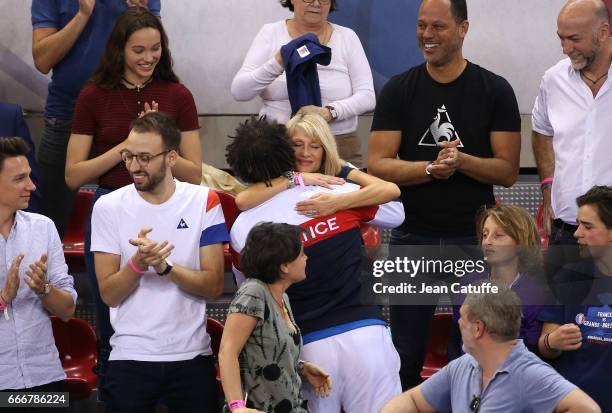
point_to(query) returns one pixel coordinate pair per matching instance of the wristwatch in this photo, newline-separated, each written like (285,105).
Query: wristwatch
(332,112)
(46,290)
(168,268)
(427,171)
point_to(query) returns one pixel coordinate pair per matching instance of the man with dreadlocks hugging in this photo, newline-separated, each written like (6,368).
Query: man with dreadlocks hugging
(350,339)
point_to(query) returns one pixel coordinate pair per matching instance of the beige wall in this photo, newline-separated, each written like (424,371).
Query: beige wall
(216,128)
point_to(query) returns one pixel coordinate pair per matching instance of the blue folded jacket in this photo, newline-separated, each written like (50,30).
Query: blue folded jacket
(300,57)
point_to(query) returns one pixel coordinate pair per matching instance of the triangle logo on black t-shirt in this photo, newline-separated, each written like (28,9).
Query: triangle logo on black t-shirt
(440,130)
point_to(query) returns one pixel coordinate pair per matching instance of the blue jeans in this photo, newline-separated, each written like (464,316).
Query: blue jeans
(57,198)
(105,330)
(411,324)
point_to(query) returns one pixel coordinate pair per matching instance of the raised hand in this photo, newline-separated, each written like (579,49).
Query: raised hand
(9,292)
(150,253)
(37,275)
(86,7)
(153,107)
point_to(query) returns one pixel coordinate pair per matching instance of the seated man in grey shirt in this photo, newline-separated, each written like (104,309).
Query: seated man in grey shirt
(498,373)
(34,281)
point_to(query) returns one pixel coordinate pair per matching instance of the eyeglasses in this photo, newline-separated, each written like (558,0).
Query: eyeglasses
(475,403)
(142,158)
(324,2)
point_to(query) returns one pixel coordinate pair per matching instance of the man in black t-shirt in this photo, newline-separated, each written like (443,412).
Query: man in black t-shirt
(455,128)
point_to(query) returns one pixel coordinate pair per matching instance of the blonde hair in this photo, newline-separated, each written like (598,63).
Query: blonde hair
(317,128)
(520,226)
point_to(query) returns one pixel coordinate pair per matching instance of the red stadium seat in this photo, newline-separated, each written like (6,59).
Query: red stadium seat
(215,331)
(230,211)
(76,343)
(74,238)
(372,239)
(436,357)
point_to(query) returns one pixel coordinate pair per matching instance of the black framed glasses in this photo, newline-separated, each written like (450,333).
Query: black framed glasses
(475,404)
(143,159)
(325,2)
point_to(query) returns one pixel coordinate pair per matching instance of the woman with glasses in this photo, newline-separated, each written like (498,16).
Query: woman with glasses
(134,76)
(346,84)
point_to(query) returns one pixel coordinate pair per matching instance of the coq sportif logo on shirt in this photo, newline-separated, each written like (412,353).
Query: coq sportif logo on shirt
(440,130)
(182,224)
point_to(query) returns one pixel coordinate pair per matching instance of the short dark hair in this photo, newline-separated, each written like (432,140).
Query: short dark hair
(109,72)
(11,147)
(601,197)
(459,10)
(161,124)
(267,247)
(287,4)
(260,151)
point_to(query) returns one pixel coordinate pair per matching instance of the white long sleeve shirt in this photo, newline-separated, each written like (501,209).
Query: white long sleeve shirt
(346,84)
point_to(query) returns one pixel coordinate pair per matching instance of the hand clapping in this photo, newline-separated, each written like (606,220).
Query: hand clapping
(150,253)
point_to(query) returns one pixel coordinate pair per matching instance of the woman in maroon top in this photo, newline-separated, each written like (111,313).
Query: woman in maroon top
(134,76)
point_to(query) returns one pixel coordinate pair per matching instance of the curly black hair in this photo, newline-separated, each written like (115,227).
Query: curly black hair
(289,5)
(260,151)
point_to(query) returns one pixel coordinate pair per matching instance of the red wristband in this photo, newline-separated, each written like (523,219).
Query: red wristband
(134,267)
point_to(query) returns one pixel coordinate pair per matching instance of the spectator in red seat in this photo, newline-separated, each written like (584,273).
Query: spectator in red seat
(261,341)
(511,247)
(498,374)
(577,336)
(135,76)
(34,281)
(317,162)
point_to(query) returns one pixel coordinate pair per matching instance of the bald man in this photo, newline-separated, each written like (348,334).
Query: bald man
(571,116)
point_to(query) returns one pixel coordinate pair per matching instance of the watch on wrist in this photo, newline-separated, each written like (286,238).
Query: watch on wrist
(332,112)
(427,171)
(168,268)
(46,290)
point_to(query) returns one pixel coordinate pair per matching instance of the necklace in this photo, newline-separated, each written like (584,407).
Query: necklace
(281,305)
(135,86)
(138,88)
(591,80)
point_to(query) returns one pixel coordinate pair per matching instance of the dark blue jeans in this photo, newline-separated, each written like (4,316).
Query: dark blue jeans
(411,324)
(105,330)
(57,198)
(184,386)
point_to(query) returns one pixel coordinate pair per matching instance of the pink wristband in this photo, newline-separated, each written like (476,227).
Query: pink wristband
(546,181)
(298,179)
(134,267)
(235,404)
(2,306)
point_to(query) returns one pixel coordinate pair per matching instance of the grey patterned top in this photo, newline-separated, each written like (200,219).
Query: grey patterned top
(268,361)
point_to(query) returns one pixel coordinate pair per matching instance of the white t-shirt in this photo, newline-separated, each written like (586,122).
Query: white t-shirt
(158,321)
(580,126)
(346,84)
